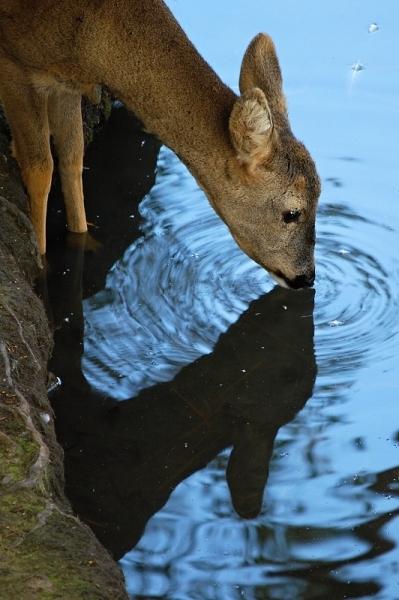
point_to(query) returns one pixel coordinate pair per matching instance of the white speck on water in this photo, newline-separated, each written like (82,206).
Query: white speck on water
(373,27)
(66,319)
(355,70)
(185,444)
(285,307)
(357,66)
(131,216)
(335,323)
(142,143)
(343,251)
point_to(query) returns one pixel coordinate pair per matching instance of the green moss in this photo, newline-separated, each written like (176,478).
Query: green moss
(46,554)
(17,449)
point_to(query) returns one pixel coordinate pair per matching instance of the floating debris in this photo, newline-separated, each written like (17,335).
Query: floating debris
(357,66)
(343,251)
(373,27)
(53,384)
(335,323)
(285,307)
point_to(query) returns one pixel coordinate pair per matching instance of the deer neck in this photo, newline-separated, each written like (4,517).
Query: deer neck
(155,70)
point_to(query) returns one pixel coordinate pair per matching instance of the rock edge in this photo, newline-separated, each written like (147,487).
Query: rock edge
(46,553)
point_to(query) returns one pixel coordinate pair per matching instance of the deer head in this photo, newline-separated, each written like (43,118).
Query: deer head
(270,204)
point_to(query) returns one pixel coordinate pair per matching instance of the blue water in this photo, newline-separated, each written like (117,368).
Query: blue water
(169,325)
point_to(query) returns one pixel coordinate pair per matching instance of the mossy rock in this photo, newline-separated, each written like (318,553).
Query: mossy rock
(46,553)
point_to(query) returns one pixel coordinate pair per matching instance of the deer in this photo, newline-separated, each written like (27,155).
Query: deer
(260,180)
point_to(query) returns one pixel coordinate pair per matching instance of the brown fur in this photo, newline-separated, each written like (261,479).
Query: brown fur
(241,150)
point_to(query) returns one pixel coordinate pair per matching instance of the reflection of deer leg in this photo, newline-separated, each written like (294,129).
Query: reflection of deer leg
(65,289)
(26,111)
(65,119)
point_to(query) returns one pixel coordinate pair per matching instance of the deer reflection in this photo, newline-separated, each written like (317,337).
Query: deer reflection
(123,459)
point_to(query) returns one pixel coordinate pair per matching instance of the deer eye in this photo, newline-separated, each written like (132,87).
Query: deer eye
(291,216)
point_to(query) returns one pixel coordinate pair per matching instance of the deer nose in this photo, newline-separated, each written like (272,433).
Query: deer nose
(302,281)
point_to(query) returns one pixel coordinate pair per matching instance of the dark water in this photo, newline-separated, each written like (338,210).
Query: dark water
(189,380)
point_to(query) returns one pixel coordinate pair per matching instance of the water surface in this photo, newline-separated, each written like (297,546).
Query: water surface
(189,380)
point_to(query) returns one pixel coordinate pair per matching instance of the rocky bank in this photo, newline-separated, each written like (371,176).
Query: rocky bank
(46,553)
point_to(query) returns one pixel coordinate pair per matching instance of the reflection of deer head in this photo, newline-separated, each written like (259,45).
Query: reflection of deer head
(260,374)
(265,363)
(260,180)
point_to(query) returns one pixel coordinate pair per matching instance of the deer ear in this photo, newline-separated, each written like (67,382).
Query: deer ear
(251,128)
(260,68)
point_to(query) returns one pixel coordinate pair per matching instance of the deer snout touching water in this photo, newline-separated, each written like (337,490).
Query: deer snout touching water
(259,179)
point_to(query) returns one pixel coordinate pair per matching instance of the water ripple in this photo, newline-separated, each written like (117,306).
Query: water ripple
(183,283)
(173,293)
(357,287)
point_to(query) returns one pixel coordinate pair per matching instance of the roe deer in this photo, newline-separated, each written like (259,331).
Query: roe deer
(260,180)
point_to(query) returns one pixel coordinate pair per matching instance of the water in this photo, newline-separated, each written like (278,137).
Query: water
(188,380)
(161,294)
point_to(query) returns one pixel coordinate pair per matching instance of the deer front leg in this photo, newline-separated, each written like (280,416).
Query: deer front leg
(26,112)
(65,118)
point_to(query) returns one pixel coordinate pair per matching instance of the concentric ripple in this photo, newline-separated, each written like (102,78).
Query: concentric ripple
(173,293)
(183,283)
(357,297)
